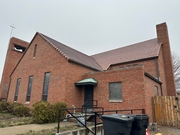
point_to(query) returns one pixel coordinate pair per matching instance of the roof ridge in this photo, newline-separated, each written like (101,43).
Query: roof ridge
(122,47)
(53,45)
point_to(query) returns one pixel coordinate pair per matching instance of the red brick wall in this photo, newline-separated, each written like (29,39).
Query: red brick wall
(12,58)
(132,79)
(63,75)
(149,93)
(162,73)
(149,66)
(47,59)
(162,35)
(75,94)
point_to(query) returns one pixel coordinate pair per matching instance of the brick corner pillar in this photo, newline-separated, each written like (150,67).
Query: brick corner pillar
(12,58)
(162,36)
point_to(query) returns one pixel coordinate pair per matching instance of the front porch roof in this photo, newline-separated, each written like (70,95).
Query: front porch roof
(88,81)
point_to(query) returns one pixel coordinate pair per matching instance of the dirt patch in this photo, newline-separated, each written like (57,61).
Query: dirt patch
(8,120)
(163,130)
(6,116)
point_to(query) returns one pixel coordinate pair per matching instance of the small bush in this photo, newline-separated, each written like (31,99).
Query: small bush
(22,111)
(11,107)
(2,126)
(59,105)
(44,112)
(32,122)
(4,105)
(19,124)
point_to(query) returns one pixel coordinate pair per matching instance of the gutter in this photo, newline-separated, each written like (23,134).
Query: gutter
(153,78)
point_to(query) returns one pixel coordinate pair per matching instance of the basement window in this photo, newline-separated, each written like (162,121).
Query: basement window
(19,48)
(115,92)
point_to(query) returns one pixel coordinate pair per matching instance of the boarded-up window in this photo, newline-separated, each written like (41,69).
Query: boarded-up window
(46,86)
(115,91)
(156,90)
(17,89)
(29,88)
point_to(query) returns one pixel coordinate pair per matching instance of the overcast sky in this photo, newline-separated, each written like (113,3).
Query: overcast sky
(90,26)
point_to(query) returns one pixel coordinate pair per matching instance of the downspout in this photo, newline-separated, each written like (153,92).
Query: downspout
(158,75)
(8,87)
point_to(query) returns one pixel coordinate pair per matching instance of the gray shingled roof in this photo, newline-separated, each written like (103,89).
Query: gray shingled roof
(142,50)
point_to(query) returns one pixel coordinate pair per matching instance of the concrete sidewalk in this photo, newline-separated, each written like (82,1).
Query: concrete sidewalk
(25,128)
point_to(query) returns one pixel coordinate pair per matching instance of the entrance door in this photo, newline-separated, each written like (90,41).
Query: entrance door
(88,97)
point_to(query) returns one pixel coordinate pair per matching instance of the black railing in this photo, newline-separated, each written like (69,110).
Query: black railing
(85,104)
(131,110)
(68,110)
(96,113)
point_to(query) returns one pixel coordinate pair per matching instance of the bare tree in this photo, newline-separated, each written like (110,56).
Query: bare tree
(176,66)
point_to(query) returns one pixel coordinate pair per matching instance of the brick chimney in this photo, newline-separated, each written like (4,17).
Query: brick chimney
(162,36)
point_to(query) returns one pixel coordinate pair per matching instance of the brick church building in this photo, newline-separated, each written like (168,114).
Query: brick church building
(123,78)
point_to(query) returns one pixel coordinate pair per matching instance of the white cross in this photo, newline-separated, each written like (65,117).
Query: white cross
(12,27)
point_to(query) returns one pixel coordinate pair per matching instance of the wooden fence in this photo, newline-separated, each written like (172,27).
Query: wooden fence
(167,110)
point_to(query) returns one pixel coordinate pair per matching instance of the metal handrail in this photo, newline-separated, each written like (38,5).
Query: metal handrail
(143,111)
(96,113)
(66,109)
(90,105)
